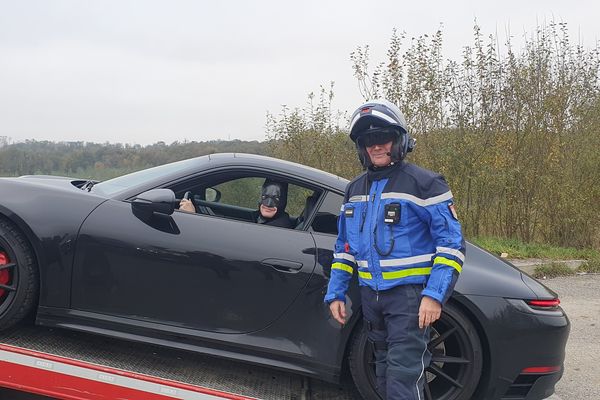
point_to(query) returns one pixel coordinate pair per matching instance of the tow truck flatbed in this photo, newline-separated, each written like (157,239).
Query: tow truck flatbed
(67,364)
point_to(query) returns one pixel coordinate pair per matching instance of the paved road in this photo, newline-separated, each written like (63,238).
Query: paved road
(580,298)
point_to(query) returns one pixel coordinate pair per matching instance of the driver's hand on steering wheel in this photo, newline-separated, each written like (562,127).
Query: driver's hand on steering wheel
(187,206)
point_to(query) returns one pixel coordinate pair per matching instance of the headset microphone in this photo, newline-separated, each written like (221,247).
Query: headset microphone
(389,154)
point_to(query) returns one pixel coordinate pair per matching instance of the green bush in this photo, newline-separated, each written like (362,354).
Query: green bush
(552,270)
(515,131)
(516,248)
(590,266)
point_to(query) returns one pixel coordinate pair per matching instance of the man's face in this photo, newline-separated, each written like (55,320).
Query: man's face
(379,154)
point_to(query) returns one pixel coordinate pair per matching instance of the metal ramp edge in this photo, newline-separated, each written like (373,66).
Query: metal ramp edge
(64,378)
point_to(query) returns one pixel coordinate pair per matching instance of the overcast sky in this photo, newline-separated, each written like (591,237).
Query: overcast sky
(145,71)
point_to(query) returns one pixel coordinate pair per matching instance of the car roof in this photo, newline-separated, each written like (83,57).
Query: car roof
(278,165)
(218,161)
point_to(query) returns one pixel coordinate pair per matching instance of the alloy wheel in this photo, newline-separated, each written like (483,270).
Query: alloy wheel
(19,282)
(8,279)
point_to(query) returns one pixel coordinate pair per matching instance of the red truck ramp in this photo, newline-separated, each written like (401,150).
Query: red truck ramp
(66,364)
(64,378)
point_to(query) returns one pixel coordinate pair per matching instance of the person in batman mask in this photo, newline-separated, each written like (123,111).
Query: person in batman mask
(271,207)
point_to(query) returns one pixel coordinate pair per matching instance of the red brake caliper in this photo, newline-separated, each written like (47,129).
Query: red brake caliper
(4,274)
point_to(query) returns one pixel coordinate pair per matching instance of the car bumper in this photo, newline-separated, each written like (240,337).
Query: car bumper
(525,349)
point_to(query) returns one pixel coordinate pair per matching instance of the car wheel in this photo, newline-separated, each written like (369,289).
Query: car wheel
(456,359)
(18,276)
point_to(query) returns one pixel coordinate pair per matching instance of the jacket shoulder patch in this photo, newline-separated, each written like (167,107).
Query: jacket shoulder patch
(453,211)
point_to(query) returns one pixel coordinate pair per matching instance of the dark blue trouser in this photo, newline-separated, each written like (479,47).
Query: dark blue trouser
(401,355)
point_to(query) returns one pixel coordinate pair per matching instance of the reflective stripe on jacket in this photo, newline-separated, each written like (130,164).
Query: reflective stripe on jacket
(425,246)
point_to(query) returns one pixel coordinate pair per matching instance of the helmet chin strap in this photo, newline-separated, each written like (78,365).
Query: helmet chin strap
(385,166)
(365,160)
(392,161)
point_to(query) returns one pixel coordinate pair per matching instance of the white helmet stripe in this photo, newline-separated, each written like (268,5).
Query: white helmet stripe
(384,116)
(375,113)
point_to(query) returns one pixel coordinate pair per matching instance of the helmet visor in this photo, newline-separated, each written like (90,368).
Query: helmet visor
(377,136)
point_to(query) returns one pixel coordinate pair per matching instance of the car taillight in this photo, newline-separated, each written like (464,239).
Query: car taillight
(544,304)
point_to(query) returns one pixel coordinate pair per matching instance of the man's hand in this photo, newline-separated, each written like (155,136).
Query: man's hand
(429,311)
(338,311)
(187,205)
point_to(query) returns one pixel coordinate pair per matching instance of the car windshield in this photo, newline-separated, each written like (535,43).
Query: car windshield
(116,185)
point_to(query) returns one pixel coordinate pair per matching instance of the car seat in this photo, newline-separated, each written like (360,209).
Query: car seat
(309,206)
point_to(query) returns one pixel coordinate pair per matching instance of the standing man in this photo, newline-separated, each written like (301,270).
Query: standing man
(398,228)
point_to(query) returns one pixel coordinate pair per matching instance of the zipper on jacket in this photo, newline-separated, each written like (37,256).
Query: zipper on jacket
(363,214)
(376,183)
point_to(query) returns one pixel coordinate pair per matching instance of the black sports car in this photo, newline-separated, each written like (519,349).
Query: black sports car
(117,258)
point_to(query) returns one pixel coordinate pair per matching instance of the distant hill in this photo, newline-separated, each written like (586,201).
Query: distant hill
(103,161)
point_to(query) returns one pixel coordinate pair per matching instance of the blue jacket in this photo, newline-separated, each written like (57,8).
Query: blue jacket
(423,246)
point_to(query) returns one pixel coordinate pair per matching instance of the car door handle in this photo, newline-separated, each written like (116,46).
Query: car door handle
(282,265)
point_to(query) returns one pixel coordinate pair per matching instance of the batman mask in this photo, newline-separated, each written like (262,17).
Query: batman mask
(274,194)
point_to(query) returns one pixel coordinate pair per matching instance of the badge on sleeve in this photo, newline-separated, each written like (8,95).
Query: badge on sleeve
(452,211)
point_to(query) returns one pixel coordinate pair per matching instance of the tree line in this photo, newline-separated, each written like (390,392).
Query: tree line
(104,161)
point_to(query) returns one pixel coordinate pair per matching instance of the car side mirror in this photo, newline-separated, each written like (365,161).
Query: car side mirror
(212,194)
(161,201)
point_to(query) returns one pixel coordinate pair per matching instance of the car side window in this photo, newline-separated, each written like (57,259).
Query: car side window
(245,192)
(297,199)
(325,221)
(237,197)
(242,192)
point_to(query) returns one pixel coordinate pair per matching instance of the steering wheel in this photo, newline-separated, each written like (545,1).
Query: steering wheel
(200,209)
(188,196)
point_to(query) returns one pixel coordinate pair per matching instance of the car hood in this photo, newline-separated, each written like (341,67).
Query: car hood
(49,179)
(56,182)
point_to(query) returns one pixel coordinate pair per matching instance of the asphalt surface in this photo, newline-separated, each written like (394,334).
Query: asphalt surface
(580,298)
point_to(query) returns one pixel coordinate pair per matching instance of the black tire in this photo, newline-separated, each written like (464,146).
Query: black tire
(456,361)
(20,291)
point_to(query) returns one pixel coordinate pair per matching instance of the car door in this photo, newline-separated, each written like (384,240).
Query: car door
(196,271)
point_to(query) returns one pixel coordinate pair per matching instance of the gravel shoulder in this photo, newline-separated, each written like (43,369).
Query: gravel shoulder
(580,298)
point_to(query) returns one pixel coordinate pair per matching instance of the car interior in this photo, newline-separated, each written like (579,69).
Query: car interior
(236,196)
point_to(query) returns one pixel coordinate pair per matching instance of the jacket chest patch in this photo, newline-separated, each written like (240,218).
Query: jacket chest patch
(349,212)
